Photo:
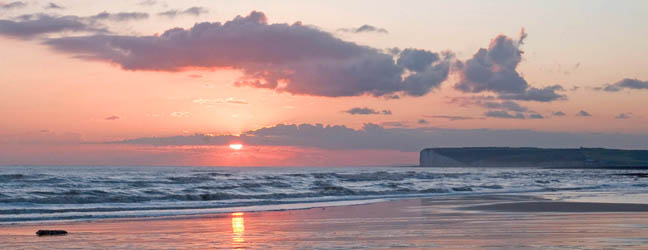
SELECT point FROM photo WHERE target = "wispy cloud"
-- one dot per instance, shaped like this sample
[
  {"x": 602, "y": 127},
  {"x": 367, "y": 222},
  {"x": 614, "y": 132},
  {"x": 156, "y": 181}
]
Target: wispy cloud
[
  {"x": 54, "y": 6},
  {"x": 13, "y": 5},
  {"x": 367, "y": 111},
  {"x": 230, "y": 100},
  {"x": 624, "y": 116},
  {"x": 193, "y": 11},
  {"x": 364, "y": 29},
  {"x": 450, "y": 117},
  {"x": 179, "y": 114},
  {"x": 626, "y": 83}
]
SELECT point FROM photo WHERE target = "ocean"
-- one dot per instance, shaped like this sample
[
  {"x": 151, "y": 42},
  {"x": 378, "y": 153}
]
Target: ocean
[{"x": 63, "y": 193}]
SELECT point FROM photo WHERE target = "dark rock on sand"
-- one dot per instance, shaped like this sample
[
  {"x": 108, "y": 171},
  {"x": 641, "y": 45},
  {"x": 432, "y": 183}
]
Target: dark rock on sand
[{"x": 50, "y": 232}]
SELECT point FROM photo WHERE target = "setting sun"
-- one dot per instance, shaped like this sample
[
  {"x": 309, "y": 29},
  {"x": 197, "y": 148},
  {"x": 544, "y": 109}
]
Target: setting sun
[{"x": 236, "y": 146}]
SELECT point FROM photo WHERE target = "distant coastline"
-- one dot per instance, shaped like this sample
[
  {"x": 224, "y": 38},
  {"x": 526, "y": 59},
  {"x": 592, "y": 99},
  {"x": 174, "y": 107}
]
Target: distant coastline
[{"x": 534, "y": 157}]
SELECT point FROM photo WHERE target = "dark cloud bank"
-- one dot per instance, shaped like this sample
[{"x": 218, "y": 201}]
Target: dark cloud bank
[
  {"x": 295, "y": 58},
  {"x": 373, "y": 136}
]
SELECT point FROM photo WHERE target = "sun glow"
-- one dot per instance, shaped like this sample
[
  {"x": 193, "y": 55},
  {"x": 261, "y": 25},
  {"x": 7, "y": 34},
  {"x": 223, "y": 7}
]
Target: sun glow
[{"x": 236, "y": 146}]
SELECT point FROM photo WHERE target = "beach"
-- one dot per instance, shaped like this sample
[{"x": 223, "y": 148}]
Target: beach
[{"x": 461, "y": 222}]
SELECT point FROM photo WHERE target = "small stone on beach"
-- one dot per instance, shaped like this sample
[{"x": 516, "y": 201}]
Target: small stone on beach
[{"x": 51, "y": 232}]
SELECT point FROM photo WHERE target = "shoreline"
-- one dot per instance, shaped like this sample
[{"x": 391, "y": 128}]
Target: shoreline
[{"x": 470, "y": 221}]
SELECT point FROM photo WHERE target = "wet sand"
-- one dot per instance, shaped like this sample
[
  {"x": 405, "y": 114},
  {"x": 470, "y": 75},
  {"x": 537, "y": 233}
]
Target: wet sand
[{"x": 492, "y": 222}]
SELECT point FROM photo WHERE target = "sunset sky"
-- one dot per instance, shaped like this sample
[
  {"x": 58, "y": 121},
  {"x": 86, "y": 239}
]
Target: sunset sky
[{"x": 305, "y": 83}]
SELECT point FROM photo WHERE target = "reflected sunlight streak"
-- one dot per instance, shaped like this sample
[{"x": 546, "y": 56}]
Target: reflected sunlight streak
[{"x": 238, "y": 227}]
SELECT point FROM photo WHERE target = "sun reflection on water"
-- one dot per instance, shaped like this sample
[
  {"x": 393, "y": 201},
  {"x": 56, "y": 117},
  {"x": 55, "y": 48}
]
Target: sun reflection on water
[{"x": 238, "y": 227}]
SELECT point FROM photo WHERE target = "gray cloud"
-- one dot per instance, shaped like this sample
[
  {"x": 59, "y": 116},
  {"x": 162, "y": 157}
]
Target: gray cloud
[
  {"x": 535, "y": 116},
  {"x": 397, "y": 124},
  {"x": 558, "y": 113},
  {"x": 28, "y": 26},
  {"x": 505, "y": 105},
  {"x": 112, "y": 118},
  {"x": 295, "y": 58},
  {"x": 52, "y": 5},
  {"x": 625, "y": 83},
  {"x": 489, "y": 102},
  {"x": 495, "y": 70},
  {"x": 583, "y": 113},
  {"x": 373, "y": 136},
  {"x": 546, "y": 94},
  {"x": 364, "y": 28},
  {"x": 119, "y": 17},
  {"x": 422, "y": 121},
  {"x": 367, "y": 111},
  {"x": 504, "y": 114},
  {"x": 193, "y": 11},
  {"x": 13, "y": 5}
]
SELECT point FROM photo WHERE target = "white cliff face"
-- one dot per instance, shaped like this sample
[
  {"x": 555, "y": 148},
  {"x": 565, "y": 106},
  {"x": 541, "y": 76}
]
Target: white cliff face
[
  {"x": 429, "y": 158},
  {"x": 492, "y": 157}
]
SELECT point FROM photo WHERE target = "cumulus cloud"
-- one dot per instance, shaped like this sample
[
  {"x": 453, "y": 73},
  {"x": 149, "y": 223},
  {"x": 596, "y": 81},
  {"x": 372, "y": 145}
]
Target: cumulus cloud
[
  {"x": 366, "y": 111},
  {"x": 193, "y": 11},
  {"x": 52, "y": 5},
  {"x": 112, "y": 118},
  {"x": 364, "y": 29},
  {"x": 583, "y": 113},
  {"x": 119, "y": 17},
  {"x": 28, "y": 26},
  {"x": 494, "y": 69},
  {"x": 372, "y": 136},
  {"x": 625, "y": 83},
  {"x": 13, "y": 5},
  {"x": 295, "y": 58}
]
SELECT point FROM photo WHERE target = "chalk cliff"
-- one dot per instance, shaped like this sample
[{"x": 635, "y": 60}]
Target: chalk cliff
[{"x": 533, "y": 157}]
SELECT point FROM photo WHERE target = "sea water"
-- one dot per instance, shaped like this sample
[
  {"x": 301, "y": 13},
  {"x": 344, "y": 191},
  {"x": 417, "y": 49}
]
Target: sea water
[{"x": 61, "y": 193}]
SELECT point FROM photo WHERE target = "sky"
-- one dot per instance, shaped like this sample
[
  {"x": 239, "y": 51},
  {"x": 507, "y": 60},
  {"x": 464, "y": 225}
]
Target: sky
[{"x": 315, "y": 83}]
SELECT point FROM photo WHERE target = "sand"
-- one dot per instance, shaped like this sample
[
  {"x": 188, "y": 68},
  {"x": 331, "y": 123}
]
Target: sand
[{"x": 491, "y": 222}]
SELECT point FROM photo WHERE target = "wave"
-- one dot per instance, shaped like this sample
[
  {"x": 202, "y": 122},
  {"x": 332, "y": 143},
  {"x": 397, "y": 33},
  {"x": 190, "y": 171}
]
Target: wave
[{"x": 52, "y": 193}]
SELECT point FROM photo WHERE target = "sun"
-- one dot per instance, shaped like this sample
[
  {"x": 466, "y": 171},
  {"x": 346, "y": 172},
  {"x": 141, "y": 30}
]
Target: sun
[{"x": 236, "y": 146}]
